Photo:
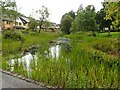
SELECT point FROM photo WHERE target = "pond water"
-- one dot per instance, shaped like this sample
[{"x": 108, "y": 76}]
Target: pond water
[
  {"x": 54, "y": 52},
  {"x": 25, "y": 59}
]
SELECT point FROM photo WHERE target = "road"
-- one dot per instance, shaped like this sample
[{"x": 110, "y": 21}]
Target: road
[{"x": 7, "y": 81}]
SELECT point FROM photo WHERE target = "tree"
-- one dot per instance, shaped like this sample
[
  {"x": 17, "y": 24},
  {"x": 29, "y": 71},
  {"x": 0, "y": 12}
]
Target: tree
[
  {"x": 43, "y": 16},
  {"x": 14, "y": 12},
  {"x": 112, "y": 10},
  {"x": 80, "y": 9},
  {"x": 76, "y": 23},
  {"x": 85, "y": 20},
  {"x": 72, "y": 14},
  {"x": 100, "y": 15},
  {"x": 66, "y": 22},
  {"x": 9, "y": 10},
  {"x": 33, "y": 23},
  {"x": 46, "y": 24}
]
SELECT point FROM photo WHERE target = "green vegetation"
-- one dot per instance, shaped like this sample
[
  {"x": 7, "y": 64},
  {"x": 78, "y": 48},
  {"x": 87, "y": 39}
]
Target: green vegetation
[
  {"x": 113, "y": 13},
  {"x": 66, "y": 22},
  {"x": 43, "y": 16},
  {"x": 13, "y": 42},
  {"x": 92, "y": 62},
  {"x": 85, "y": 20},
  {"x": 15, "y": 35},
  {"x": 84, "y": 66},
  {"x": 33, "y": 25},
  {"x": 9, "y": 10}
]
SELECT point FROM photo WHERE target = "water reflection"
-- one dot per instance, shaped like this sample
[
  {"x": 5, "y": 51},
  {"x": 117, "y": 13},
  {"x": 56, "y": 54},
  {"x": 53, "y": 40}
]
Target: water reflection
[
  {"x": 25, "y": 59},
  {"x": 55, "y": 51}
]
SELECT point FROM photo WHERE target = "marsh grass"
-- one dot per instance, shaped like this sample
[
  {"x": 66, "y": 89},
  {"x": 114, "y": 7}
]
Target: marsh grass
[
  {"x": 82, "y": 67},
  {"x": 10, "y": 47}
]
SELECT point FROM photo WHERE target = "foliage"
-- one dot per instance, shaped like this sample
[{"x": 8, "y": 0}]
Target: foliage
[
  {"x": 112, "y": 10},
  {"x": 107, "y": 46},
  {"x": 87, "y": 65},
  {"x": 11, "y": 42},
  {"x": 85, "y": 20},
  {"x": 46, "y": 24},
  {"x": 33, "y": 23},
  {"x": 100, "y": 15},
  {"x": 9, "y": 9},
  {"x": 80, "y": 9},
  {"x": 43, "y": 15},
  {"x": 66, "y": 22},
  {"x": 104, "y": 46},
  {"x": 83, "y": 67},
  {"x": 13, "y": 35},
  {"x": 72, "y": 14}
]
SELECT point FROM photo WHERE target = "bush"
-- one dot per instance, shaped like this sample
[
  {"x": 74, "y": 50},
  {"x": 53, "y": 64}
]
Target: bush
[
  {"x": 25, "y": 31},
  {"x": 14, "y": 35},
  {"x": 104, "y": 46}
]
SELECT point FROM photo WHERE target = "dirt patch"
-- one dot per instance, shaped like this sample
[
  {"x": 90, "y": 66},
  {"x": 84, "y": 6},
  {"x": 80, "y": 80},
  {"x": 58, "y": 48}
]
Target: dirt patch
[{"x": 114, "y": 53}]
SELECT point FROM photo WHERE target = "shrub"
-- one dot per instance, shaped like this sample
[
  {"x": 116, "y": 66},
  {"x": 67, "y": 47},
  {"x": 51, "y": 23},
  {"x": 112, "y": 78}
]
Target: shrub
[
  {"x": 104, "y": 46},
  {"x": 14, "y": 35}
]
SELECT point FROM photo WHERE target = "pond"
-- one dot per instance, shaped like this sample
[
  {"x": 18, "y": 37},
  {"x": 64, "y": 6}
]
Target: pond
[
  {"x": 54, "y": 52},
  {"x": 66, "y": 67}
]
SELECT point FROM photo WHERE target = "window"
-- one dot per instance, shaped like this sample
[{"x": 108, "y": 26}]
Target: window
[
  {"x": 7, "y": 22},
  {"x": 16, "y": 23},
  {"x": 20, "y": 23},
  {"x": 24, "y": 24}
]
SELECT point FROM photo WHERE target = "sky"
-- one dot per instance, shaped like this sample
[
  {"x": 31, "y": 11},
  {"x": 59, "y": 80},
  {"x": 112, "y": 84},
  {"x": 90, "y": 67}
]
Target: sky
[{"x": 56, "y": 8}]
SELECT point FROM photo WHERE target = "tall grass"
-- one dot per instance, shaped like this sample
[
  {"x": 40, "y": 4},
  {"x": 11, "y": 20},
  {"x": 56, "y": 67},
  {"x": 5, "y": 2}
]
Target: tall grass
[
  {"x": 81, "y": 70},
  {"x": 82, "y": 67},
  {"x": 10, "y": 46}
]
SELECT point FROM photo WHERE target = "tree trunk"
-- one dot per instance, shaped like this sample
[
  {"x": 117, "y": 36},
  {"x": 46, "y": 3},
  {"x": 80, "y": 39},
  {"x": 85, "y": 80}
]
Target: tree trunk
[
  {"x": 15, "y": 25},
  {"x": 40, "y": 26},
  {"x": 98, "y": 32},
  {"x": 109, "y": 31},
  {"x": 93, "y": 32}
]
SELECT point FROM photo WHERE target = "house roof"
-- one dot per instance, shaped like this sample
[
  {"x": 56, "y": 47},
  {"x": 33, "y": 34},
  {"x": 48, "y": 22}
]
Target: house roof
[{"x": 24, "y": 20}]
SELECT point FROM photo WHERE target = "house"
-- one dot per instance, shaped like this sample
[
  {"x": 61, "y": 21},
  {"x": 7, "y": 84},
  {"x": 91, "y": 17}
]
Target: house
[
  {"x": 20, "y": 23},
  {"x": 7, "y": 24},
  {"x": 49, "y": 26},
  {"x": 54, "y": 26}
]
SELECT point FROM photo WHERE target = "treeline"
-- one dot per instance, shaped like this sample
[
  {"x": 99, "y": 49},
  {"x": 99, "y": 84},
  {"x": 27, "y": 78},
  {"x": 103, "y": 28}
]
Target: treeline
[{"x": 86, "y": 19}]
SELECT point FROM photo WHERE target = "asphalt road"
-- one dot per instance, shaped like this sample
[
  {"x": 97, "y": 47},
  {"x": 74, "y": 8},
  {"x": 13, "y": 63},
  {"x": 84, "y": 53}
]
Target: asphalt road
[{"x": 7, "y": 81}]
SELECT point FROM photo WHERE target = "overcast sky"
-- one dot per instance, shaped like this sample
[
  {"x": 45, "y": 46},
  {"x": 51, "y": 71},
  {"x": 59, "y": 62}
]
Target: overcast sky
[{"x": 56, "y": 7}]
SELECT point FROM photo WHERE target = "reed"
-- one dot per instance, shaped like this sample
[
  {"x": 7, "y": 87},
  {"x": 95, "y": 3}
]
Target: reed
[{"x": 82, "y": 67}]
